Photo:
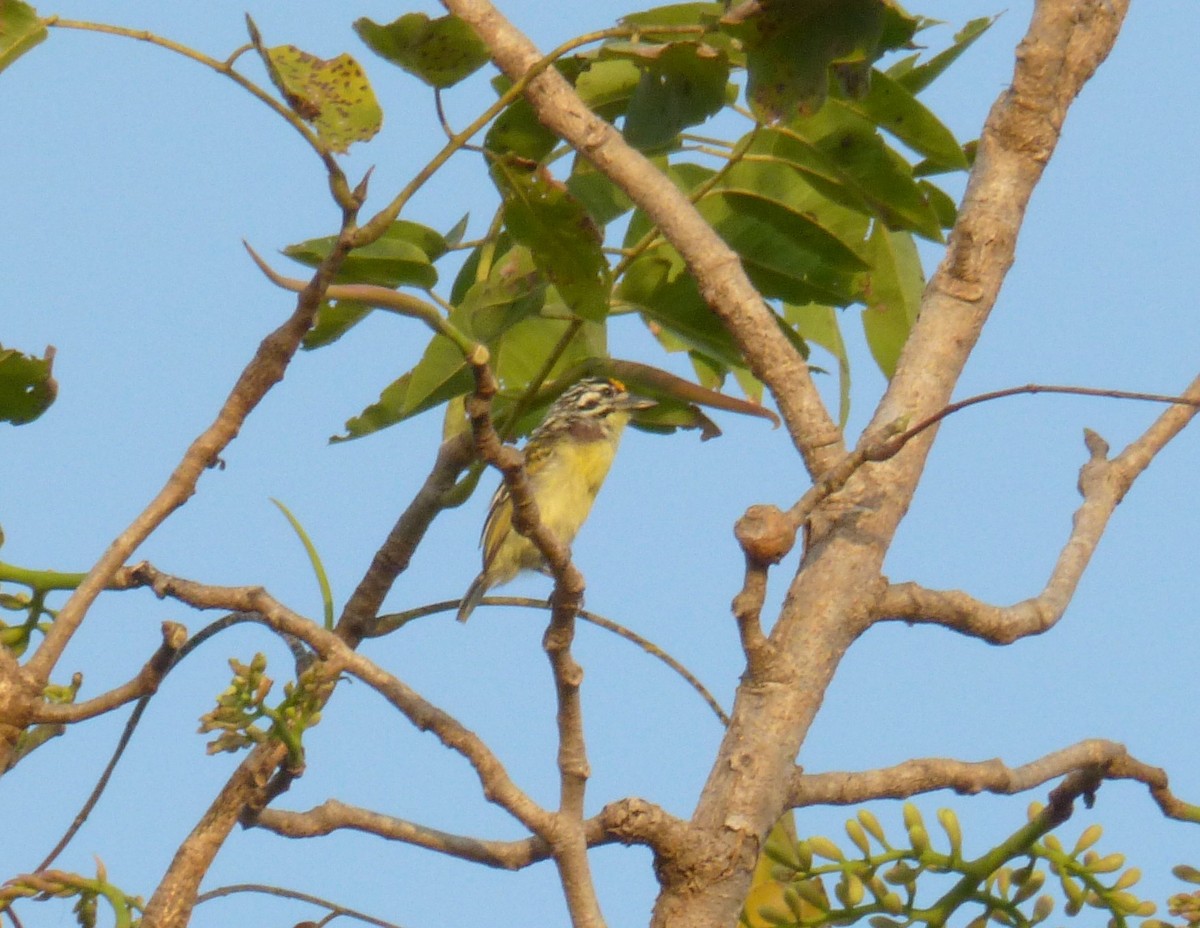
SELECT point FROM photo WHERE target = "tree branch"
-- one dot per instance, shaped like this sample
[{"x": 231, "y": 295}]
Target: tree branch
[
  {"x": 339, "y": 658},
  {"x": 265, "y": 370},
  {"x": 567, "y": 838},
  {"x": 174, "y": 635},
  {"x": 1103, "y": 484},
  {"x": 718, "y": 272},
  {"x": 1107, "y": 759},
  {"x": 627, "y": 821}
]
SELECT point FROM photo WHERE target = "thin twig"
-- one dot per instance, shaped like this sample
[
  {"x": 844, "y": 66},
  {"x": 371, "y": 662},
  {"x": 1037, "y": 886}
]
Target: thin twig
[
  {"x": 1103, "y": 484},
  {"x": 127, "y": 733},
  {"x": 391, "y": 621},
  {"x": 281, "y": 891}
]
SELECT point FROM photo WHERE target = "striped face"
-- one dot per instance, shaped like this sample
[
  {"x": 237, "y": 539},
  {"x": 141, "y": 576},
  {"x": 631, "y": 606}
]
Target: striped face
[{"x": 588, "y": 411}]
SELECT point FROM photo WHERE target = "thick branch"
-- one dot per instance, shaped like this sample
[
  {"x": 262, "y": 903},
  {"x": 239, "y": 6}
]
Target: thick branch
[
  {"x": 1103, "y": 484},
  {"x": 1109, "y": 761},
  {"x": 722, "y": 281},
  {"x": 831, "y": 601}
]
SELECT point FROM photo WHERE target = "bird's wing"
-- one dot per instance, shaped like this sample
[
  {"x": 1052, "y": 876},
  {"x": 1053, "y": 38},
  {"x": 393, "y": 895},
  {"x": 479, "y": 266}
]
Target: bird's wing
[{"x": 497, "y": 524}]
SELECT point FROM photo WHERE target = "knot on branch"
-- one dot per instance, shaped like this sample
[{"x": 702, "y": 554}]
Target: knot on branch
[
  {"x": 765, "y": 534},
  {"x": 1094, "y": 472}
]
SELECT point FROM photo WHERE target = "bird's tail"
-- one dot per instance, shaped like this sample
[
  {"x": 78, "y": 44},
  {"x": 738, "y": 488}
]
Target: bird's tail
[{"x": 474, "y": 594}]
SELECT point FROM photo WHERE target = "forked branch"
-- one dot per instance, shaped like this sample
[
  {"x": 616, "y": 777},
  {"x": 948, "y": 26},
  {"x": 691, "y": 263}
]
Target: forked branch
[{"x": 1103, "y": 482}]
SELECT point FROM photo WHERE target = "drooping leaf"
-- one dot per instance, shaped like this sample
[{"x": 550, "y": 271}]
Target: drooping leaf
[
  {"x": 666, "y": 417},
  {"x": 402, "y": 256},
  {"x": 915, "y": 79},
  {"x": 27, "y": 387},
  {"x": 893, "y": 295},
  {"x": 819, "y": 325},
  {"x": 387, "y": 410},
  {"x": 20, "y": 30},
  {"x": 441, "y": 51},
  {"x": 541, "y": 214},
  {"x": 333, "y": 321},
  {"x": 333, "y": 95},
  {"x": 667, "y": 295},
  {"x": 891, "y": 106},
  {"x": 682, "y": 84}
]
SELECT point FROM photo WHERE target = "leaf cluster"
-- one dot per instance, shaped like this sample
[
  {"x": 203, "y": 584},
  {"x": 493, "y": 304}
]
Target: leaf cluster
[
  {"x": 890, "y": 882},
  {"x": 243, "y": 706},
  {"x": 813, "y": 190}
]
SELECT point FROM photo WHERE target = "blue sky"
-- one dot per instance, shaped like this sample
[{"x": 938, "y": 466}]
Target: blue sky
[{"x": 132, "y": 177}]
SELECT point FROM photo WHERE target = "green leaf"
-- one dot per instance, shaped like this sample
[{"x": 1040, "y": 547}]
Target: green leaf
[
  {"x": 819, "y": 325},
  {"x": 893, "y": 295},
  {"x": 667, "y": 295},
  {"x": 314, "y": 559},
  {"x": 668, "y": 416},
  {"x": 389, "y": 409},
  {"x": 891, "y": 106},
  {"x": 402, "y": 256},
  {"x": 20, "y": 30},
  {"x": 523, "y": 350},
  {"x": 674, "y": 14},
  {"x": 682, "y": 84},
  {"x": 490, "y": 308},
  {"x": 441, "y": 51},
  {"x": 517, "y": 131},
  {"x": 333, "y": 95},
  {"x": 603, "y": 199},
  {"x": 333, "y": 321},
  {"x": 608, "y": 85},
  {"x": 26, "y": 386},
  {"x": 541, "y": 214},
  {"x": 791, "y": 46},
  {"x": 943, "y": 205},
  {"x": 786, "y": 253},
  {"x": 792, "y": 151},
  {"x": 916, "y": 79},
  {"x": 883, "y": 178}
]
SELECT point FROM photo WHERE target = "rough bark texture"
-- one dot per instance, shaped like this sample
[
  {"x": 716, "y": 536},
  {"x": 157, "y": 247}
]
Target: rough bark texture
[{"x": 828, "y": 602}]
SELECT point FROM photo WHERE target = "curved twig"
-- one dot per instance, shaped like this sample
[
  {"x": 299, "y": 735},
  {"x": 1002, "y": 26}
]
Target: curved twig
[
  {"x": 391, "y": 621},
  {"x": 333, "y": 907}
]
